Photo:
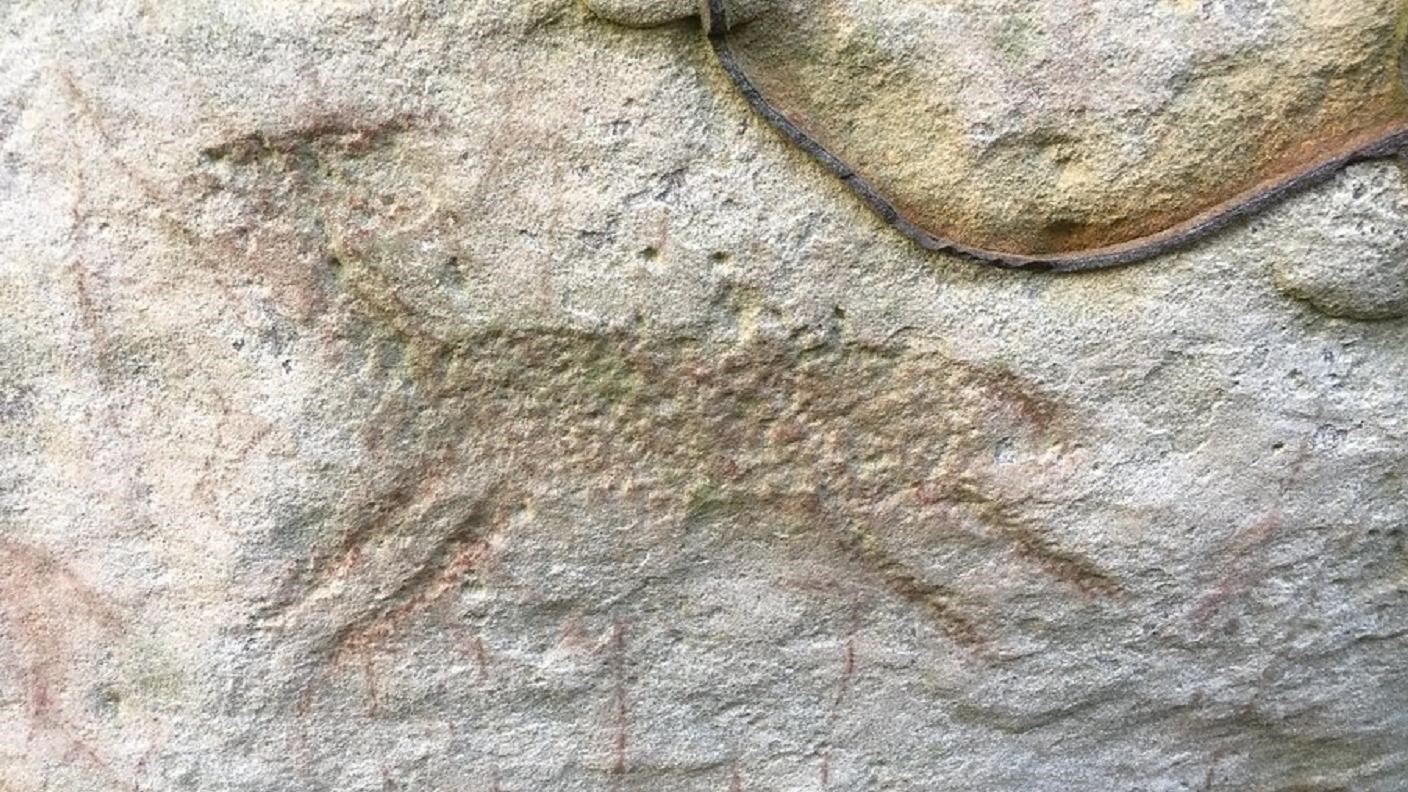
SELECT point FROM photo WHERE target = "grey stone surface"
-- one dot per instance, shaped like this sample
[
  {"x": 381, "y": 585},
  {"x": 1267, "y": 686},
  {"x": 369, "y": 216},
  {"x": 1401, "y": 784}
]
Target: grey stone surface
[
  {"x": 1360, "y": 269},
  {"x": 475, "y": 395}
]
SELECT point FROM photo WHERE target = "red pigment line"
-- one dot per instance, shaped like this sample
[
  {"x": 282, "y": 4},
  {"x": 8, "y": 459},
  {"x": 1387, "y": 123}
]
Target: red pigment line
[
  {"x": 1235, "y": 576},
  {"x": 848, "y": 670},
  {"x": 619, "y": 709}
]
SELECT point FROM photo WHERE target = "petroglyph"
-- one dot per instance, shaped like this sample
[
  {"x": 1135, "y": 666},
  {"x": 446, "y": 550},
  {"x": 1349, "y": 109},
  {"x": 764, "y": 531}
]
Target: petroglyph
[{"x": 875, "y": 450}]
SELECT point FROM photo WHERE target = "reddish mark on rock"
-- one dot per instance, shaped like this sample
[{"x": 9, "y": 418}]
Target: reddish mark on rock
[
  {"x": 572, "y": 635},
  {"x": 50, "y": 618},
  {"x": 46, "y": 717},
  {"x": 220, "y": 455},
  {"x": 1238, "y": 572},
  {"x": 305, "y": 699},
  {"x": 620, "y": 711},
  {"x": 141, "y": 769},
  {"x": 41, "y": 704},
  {"x": 928, "y": 494},
  {"x": 372, "y": 682},
  {"x": 735, "y": 781},
  {"x": 1029, "y": 544},
  {"x": 88, "y": 111},
  {"x": 36, "y": 574},
  {"x": 826, "y": 768},
  {"x": 1237, "y": 575},
  {"x": 474, "y": 647},
  {"x": 459, "y": 551}
]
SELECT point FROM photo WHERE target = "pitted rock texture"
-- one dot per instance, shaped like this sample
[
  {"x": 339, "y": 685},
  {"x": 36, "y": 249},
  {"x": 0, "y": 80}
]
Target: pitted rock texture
[
  {"x": 477, "y": 396},
  {"x": 1368, "y": 278},
  {"x": 643, "y": 13}
]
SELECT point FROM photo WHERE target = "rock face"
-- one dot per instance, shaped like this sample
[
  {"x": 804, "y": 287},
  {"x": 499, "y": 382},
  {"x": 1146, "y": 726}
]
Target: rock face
[
  {"x": 1366, "y": 275},
  {"x": 642, "y": 13},
  {"x": 477, "y": 395},
  {"x": 1053, "y": 127}
]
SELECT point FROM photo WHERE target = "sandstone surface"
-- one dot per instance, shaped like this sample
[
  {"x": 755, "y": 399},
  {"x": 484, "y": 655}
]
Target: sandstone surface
[{"x": 476, "y": 395}]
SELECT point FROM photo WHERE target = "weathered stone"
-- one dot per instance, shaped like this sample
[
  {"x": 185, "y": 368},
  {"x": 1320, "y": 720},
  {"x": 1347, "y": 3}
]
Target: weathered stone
[
  {"x": 478, "y": 396},
  {"x": 643, "y": 13},
  {"x": 1359, "y": 269},
  {"x": 1024, "y": 128}
]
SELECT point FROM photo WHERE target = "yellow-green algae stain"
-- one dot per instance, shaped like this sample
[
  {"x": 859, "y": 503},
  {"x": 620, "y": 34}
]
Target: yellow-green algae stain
[{"x": 1014, "y": 129}]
